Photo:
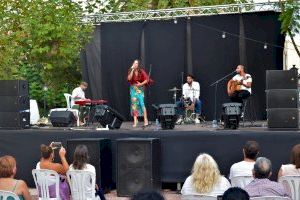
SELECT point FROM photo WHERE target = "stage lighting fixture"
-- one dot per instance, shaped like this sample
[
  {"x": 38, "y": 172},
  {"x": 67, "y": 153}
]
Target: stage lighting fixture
[
  {"x": 265, "y": 46},
  {"x": 223, "y": 35},
  {"x": 175, "y": 21}
]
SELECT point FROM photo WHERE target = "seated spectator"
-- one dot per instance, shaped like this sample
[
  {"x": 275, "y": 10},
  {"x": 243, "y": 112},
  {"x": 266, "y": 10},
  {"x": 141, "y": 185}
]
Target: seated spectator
[
  {"x": 205, "y": 178},
  {"x": 8, "y": 170},
  {"x": 147, "y": 195},
  {"x": 261, "y": 185},
  {"x": 245, "y": 167},
  {"x": 235, "y": 193},
  {"x": 292, "y": 169},
  {"x": 80, "y": 162},
  {"x": 46, "y": 162}
]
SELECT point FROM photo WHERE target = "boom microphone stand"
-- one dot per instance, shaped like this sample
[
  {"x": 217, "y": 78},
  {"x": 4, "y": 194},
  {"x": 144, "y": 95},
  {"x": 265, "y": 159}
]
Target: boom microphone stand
[{"x": 215, "y": 124}]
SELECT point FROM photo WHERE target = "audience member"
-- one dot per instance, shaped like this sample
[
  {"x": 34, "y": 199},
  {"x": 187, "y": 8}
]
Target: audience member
[
  {"x": 8, "y": 170},
  {"x": 46, "y": 162},
  {"x": 205, "y": 178},
  {"x": 235, "y": 193},
  {"x": 294, "y": 167},
  {"x": 261, "y": 185},
  {"x": 147, "y": 195},
  {"x": 80, "y": 162},
  {"x": 245, "y": 167}
]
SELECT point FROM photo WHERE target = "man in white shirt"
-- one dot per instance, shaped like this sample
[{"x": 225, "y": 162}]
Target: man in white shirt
[
  {"x": 245, "y": 167},
  {"x": 190, "y": 91},
  {"x": 78, "y": 94},
  {"x": 245, "y": 81}
]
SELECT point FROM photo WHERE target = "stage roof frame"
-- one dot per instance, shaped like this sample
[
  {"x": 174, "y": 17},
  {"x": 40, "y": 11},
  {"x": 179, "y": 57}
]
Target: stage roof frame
[{"x": 174, "y": 13}]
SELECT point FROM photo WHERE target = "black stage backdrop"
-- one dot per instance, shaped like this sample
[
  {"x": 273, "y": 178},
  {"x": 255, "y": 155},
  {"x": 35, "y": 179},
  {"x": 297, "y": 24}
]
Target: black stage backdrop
[{"x": 189, "y": 46}]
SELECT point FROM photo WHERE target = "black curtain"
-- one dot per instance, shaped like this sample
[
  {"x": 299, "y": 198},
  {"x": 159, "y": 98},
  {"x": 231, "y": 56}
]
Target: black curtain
[{"x": 191, "y": 45}]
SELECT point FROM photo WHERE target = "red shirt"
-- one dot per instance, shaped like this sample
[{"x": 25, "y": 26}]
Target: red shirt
[{"x": 141, "y": 77}]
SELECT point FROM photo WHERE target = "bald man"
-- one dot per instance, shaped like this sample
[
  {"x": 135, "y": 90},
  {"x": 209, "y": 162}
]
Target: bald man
[{"x": 245, "y": 80}]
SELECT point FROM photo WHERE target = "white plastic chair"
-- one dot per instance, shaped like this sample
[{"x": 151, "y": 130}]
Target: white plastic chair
[
  {"x": 34, "y": 112},
  {"x": 82, "y": 185},
  {"x": 4, "y": 195},
  {"x": 68, "y": 100},
  {"x": 43, "y": 178},
  {"x": 241, "y": 181},
  {"x": 198, "y": 197},
  {"x": 292, "y": 183},
  {"x": 270, "y": 198}
]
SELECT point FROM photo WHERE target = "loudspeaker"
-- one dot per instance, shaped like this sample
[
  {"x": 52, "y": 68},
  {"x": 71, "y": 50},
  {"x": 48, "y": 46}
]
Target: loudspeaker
[
  {"x": 138, "y": 165},
  {"x": 14, "y": 87},
  {"x": 62, "y": 118},
  {"x": 14, "y": 120},
  {"x": 100, "y": 157},
  {"x": 283, "y": 118},
  {"x": 279, "y": 79},
  {"x": 231, "y": 115},
  {"x": 105, "y": 115},
  {"x": 14, "y": 103},
  {"x": 166, "y": 114},
  {"x": 282, "y": 98}
]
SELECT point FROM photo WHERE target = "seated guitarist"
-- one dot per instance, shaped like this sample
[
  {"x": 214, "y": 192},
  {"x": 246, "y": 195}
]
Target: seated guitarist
[{"x": 245, "y": 81}]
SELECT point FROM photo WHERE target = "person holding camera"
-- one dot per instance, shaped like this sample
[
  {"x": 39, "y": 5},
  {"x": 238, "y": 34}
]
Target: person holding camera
[{"x": 47, "y": 162}]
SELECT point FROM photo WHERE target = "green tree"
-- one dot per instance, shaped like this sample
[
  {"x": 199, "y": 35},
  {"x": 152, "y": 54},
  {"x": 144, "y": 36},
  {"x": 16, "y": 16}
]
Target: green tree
[
  {"x": 290, "y": 20},
  {"x": 41, "y": 40}
]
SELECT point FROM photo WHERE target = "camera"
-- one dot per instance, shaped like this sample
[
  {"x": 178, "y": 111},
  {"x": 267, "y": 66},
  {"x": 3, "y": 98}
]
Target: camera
[{"x": 56, "y": 145}]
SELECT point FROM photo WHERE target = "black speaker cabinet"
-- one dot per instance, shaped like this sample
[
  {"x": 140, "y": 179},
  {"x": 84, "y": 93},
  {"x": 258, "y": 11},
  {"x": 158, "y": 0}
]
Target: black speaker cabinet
[
  {"x": 138, "y": 165},
  {"x": 14, "y": 103},
  {"x": 283, "y": 118},
  {"x": 282, "y": 98},
  {"x": 13, "y": 87},
  {"x": 62, "y": 118},
  {"x": 167, "y": 115},
  {"x": 14, "y": 120},
  {"x": 105, "y": 115},
  {"x": 100, "y": 157},
  {"x": 279, "y": 79}
]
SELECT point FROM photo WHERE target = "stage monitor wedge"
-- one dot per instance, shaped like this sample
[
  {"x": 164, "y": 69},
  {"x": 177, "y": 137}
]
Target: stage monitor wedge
[
  {"x": 281, "y": 79},
  {"x": 100, "y": 157},
  {"x": 62, "y": 118},
  {"x": 14, "y": 87},
  {"x": 138, "y": 165},
  {"x": 107, "y": 116}
]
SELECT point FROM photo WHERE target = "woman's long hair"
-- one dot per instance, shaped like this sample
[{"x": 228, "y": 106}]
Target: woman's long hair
[
  {"x": 205, "y": 173},
  {"x": 81, "y": 157},
  {"x": 139, "y": 66}
]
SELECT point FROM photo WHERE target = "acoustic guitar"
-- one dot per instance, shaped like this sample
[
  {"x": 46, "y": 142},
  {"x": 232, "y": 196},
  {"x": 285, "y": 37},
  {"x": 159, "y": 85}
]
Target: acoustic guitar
[{"x": 233, "y": 85}]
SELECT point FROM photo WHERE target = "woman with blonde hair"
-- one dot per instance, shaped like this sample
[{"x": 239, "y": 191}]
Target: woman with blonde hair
[{"x": 205, "y": 178}]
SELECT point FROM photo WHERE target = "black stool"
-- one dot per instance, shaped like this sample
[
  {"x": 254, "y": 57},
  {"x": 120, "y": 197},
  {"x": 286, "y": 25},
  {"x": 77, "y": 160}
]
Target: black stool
[{"x": 249, "y": 112}]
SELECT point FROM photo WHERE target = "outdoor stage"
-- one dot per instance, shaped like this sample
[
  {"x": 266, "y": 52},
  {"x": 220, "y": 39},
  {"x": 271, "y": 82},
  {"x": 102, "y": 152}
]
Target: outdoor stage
[{"x": 180, "y": 146}]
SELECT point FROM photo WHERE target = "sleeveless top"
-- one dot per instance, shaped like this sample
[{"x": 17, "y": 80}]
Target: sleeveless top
[{"x": 13, "y": 190}]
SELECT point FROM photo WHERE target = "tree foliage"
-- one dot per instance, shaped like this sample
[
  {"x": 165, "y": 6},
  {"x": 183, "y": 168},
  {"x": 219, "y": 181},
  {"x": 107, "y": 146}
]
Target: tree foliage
[
  {"x": 290, "y": 20},
  {"x": 41, "y": 40}
]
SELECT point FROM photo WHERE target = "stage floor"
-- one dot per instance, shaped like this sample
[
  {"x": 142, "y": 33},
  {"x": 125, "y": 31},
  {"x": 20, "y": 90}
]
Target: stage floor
[{"x": 179, "y": 147}]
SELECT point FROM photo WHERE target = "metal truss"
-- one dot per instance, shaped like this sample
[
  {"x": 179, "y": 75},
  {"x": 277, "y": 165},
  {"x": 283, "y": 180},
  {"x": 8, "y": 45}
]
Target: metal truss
[{"x": 164, "y": 14}]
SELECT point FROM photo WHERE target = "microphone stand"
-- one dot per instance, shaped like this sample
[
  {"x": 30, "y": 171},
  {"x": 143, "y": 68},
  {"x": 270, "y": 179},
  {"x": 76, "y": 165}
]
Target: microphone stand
[{"x": 215, "y": 123}]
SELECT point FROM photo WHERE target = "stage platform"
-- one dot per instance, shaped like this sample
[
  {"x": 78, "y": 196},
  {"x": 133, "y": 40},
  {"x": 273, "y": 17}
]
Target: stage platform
[{"x": 180, "y": 146}]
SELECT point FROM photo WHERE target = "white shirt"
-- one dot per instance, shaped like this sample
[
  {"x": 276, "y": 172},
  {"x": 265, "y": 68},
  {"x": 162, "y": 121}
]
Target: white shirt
[
  {"x": 290, "y": 170},
  {"x": 242, "y": 168},
  {"x": 88, "y": 168},
  {"x": 77, "y": 94},
  {"x": 248, "y": 78},
  {"x": 193, "y": 91},
  {"x": 218, "y": 189}
]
